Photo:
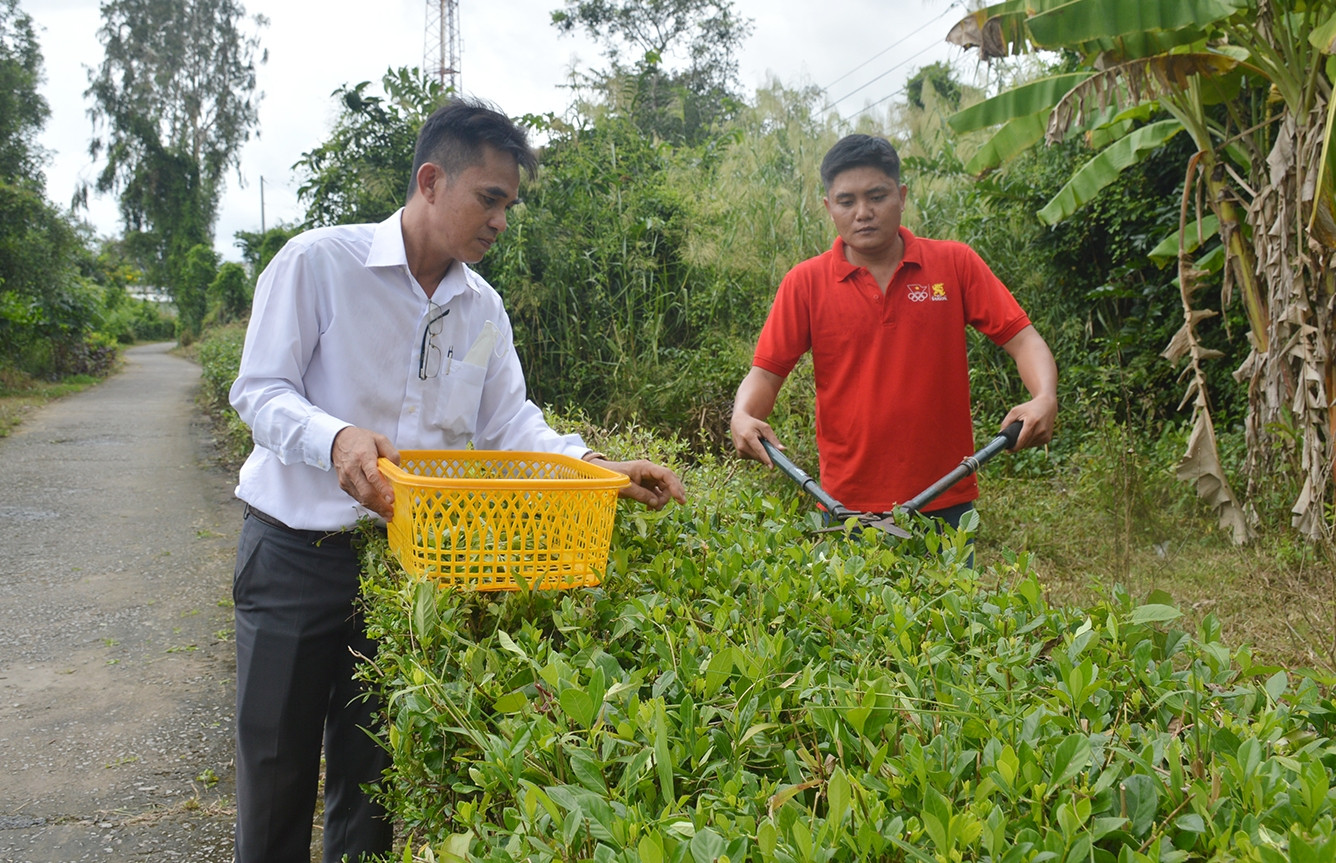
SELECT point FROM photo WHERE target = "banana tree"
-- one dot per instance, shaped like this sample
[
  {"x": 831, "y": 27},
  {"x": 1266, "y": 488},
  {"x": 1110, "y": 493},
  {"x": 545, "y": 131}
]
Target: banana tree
[{"x": 1251, "y": 82}]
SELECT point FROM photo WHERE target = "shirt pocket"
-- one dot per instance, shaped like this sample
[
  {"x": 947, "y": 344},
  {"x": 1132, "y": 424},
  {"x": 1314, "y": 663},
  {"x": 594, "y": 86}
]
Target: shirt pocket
[{"x": 458, "y": 398}]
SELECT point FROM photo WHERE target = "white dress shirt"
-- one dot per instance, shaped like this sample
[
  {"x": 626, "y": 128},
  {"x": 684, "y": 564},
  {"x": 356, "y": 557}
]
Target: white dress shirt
[{"x": 335, "y": 339}]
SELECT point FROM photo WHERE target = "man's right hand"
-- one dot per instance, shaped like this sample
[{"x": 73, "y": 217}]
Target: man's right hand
[
  {"x": 747, "y": 433},
  {"x": 354, "y": 455},
  {"x": 755, "y": 400}
]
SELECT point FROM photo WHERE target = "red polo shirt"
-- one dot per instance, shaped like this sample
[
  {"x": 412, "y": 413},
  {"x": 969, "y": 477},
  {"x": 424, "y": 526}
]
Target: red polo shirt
[{"x": 892, "y": 380}]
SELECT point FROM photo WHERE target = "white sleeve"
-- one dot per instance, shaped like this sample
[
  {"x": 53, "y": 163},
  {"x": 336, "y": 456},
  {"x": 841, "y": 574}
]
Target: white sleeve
[{"x": 269, "y": 393}]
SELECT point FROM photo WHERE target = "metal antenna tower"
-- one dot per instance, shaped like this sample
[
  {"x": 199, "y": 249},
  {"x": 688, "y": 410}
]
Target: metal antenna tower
[{"x": 440, "y": 47}]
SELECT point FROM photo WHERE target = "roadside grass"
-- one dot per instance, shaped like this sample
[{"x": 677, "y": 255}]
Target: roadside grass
[
  {"x": 21, "y": 394},
  {"x": 1276, "y": 595}
]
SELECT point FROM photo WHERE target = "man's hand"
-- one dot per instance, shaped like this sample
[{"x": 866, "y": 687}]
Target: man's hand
[
  {"x": 354, "y": 456},
  {"x": 754, "y": 402},
  {"x": 1038, "y": 415},
  {"x": 651, "y": 484},
  {"x": 1039, "y": 373},
  {"x": 747, "y": 433}
]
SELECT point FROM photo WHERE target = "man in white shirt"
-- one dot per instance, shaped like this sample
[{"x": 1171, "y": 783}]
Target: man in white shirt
[{"x": 363, "y": 339}]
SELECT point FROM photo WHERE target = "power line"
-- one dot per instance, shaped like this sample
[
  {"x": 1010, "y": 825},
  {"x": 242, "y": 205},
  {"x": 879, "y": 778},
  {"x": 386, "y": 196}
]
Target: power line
[
  {"x": 899, "y": 92},
  {"x": 879, "y": 77},
  {"x": 908, "y": 36}
]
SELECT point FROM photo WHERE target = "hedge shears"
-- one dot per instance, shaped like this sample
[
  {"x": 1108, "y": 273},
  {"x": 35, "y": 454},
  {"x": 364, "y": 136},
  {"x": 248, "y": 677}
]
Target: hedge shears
[{"x": 886, "y": 521}]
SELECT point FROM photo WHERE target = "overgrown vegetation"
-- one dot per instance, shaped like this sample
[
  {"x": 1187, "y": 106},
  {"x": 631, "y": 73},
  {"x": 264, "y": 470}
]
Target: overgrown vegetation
[
  {"x": 1108, "y": 686},
  {"x": 738, "y": 688},
  {"x": 64, "y": 304}
]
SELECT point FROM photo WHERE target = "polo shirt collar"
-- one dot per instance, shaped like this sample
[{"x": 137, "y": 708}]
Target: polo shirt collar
[
  {"x": 841, "y": 269},
  {"x": 387, "y": 250}
]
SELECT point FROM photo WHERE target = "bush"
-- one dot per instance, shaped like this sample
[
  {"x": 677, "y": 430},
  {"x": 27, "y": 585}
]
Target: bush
[
  {"x": 737, "y": 688},
  {"x": 229, "y": 295},
  {"x": 219, "y": 355}
]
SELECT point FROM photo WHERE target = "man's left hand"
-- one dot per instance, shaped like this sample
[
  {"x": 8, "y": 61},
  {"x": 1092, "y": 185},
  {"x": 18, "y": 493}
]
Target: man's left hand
[
  {"x": 651, "y": 484},
  {"x": 1038, "y": 415}
]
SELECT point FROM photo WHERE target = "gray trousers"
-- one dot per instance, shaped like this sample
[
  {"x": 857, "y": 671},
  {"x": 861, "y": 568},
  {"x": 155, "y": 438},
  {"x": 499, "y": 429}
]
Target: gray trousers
[{"x": 297, "y": 628}]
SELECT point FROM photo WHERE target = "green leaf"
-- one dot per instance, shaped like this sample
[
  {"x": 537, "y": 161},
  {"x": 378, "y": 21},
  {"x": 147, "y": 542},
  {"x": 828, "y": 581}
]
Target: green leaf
[
  {"x": 1013, "y": 138},
  {"x": 767, "y": 837},
  {"x": 706, "y": 846},
  {"x": 650, "y": 849},
  {"x": 1018, "y": 102},
  {"x": 1105, "y": 167},
  {"x": 718, "y": 669},
  {"x": 508, "y": 643},
  {"x": 1069, "y": 759},
  {"x": 511, "y": 702},
  {"x": 1141, "y": 800},
  {"x": 426, "y": 618},
  {"x": 1082, "y": 21},
  {"x": 457, "y": 847},
  {"x": 588, "y": 772},
  {"x": 663, "y": 761},
  {"x": 1323, "y": 37},
  {"x": 1198, "y": 231},
  {"x": 1277, "y": 684},
  {"x": 1154, "y": 613},
  {"x": 577, "y": 704},
  {"x": 838, "y": 793}
]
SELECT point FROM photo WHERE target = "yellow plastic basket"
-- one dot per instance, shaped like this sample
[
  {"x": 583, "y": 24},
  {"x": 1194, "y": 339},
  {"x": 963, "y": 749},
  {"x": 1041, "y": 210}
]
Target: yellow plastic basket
[{"x": 483, "y": 520}]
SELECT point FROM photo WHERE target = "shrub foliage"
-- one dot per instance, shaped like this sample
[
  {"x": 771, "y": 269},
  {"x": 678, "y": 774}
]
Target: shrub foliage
[{"x": 736, "y": 690}]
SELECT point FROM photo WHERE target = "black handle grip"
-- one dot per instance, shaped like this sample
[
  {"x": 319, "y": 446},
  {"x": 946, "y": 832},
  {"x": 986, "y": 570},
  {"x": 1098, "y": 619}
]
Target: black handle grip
[
  {"x": 804, "y": 481},
  {"x": 1005, "y": 439}
]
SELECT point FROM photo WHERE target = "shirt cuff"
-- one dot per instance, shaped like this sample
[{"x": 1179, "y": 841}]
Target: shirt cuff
[{"x": 319, "y": 437}]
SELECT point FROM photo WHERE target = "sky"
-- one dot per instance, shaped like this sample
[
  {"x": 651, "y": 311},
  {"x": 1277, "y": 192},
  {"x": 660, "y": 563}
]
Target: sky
[{"x": 859, "y": 51}]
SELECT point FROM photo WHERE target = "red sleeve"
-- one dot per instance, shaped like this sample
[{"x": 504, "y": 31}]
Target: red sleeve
[
  {"x": 989, "y": 307},
  {"x": 787, "y": 333}
]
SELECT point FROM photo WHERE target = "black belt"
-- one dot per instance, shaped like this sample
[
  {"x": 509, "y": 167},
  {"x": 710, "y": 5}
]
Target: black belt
[{"x": 314, "y": 537}]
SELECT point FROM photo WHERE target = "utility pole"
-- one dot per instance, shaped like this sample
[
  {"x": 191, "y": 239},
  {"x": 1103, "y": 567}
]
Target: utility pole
[
  {"x": 440, "y": 46},
  {"x": 262, "y": 204}
]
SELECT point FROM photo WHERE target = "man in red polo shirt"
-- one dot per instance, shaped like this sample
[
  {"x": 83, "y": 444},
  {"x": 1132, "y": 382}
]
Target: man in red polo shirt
[{"x": 884, "y": 314}]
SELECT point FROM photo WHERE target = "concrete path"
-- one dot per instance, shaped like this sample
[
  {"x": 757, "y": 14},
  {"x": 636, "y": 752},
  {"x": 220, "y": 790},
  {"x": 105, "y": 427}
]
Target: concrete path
[{"x": 117, "y": 666}]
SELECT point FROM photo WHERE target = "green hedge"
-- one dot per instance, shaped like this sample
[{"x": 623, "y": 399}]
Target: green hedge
[
  {"x": 738, "y": 690},
  {"x": 219, "y": 355}
]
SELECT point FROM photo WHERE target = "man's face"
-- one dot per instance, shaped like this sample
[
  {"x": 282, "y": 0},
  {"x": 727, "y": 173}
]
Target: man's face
[
  {"x": 866, "y": 205},
  {"x": 469, "y": 208}
]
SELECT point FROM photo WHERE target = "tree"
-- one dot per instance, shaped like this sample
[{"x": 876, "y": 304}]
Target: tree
[
  {"x": 1246, "y": 79},
  {"x": 192, "y": 292},
  {"x": 173, "y": 102},
  {"x": 46, "y": 307},
  {"x": 683, "y": 101},
  {"x": 23, "y": 111},
  {"x": 258, "y": 249},
  {"x": 361, "y": 173},
  {"x": 228, "y": 295},
  {"x": 939, "y": 77}
]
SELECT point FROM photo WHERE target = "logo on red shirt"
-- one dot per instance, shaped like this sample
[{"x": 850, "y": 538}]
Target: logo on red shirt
[{"x": 936, "y": 292}]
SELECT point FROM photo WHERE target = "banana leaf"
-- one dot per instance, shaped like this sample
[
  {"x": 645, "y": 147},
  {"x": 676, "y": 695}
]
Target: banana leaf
[
  {"x": 1082, "y": 22},
  {"x": 1198, "y": 232},
  {"x": 1021, "y": 101},
  {"x": 1105, "y": 167}
]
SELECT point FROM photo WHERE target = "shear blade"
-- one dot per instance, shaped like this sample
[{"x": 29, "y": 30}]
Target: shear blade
[{"x": 885, "y": 524}]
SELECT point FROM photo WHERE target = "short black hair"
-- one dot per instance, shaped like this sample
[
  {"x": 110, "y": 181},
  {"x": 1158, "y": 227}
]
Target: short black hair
[
  {"x": 859, "y": 151},
  {"x": 455, "y": 134}
]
